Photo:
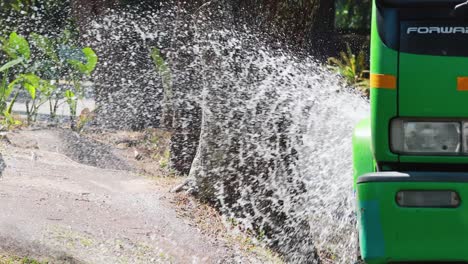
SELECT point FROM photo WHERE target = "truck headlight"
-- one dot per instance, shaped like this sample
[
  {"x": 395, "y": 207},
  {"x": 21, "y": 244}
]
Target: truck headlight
[{"x": 424, "y": 137}]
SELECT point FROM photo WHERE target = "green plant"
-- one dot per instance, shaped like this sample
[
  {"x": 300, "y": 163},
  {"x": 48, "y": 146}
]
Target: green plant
[
  {"x": 54, "y": 61},
  {"x": 81, "y": 68},
  {"x": 72, "y": 102},
  {"x": 353, "y": 68},
  {"x": 70, "y": 64},
  {"x": 18, "y": 50},
  {"x": 166, "y": 77},
  {"x": 18, "y": 54},
  {"x": 19, "y": 260}
]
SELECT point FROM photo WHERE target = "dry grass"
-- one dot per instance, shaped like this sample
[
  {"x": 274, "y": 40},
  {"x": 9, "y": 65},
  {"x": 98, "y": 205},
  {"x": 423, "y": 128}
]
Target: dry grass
[
  {"x": 4, "y": 259},
  {"x": 210, "y": 222}
]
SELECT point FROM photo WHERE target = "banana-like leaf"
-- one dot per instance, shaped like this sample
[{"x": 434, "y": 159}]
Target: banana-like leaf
[
  {"x": 92, "y": 60},
  {"x": 165, "y": 73}
]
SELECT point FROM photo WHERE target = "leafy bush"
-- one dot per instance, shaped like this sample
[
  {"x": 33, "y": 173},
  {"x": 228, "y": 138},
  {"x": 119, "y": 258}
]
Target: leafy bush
[
  {"x": 39, "y": 69},
  {"x": 353, "y": 68}
]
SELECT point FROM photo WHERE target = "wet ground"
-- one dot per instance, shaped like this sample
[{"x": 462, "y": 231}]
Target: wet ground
[{"x": 54, "y": 206}]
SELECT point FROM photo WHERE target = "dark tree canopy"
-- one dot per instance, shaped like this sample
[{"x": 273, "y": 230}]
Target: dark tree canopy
[
  {"x": 295, "y": 20},
  {"x": 42, "y": 16}
]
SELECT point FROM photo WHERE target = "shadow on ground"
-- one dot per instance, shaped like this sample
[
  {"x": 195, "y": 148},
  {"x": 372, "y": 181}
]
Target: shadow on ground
[{"x": 10, "y": 246}]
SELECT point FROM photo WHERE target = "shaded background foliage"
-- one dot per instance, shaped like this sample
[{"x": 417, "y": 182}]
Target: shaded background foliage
[
  {"x": 42, "y": 16},
  {"x": 304, "y": 24}
]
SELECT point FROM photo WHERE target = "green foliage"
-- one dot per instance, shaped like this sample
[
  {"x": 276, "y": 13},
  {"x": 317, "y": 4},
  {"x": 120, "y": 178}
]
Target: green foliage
[
  {"x": 16, "y": 47},
  {"x": 165, "y": 73},
  {"x": 163, "y": 70},
  {"x": 18, "y": 51},
  {"x": 90, "y": 64},
  {"x": 353, "y": 68},
  {"x": 18, "y": 5},
  {"x": 50, "y": 16},
  {"x": 352, "y": 14},
  {"x": 44, "y": 45},
  {"x": 54, "y": 61},
  {"x": 71, "y": 100},
  {"x": 19, "y": 260}
]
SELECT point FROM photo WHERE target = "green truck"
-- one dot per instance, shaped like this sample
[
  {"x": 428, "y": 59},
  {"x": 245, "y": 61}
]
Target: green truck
[{"x": 411, "y": 156}]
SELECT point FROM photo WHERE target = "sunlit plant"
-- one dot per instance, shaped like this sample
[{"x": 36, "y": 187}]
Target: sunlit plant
[
  {"x": 353, "y": 68},
  {"x": 70, "y": 64},
  {"x": 18, "y": 54},
  {"x": 57, "y": 62}
]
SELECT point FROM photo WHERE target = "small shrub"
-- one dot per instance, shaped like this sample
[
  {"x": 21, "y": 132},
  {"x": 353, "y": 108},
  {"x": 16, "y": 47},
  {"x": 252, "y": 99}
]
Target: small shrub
[{"x": 353, "y": 68}]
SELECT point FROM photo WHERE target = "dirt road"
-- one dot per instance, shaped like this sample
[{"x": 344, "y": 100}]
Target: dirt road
[{"x": 54, "y": 207}]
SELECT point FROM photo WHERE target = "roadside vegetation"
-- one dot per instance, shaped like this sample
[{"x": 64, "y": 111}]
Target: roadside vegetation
[
  {"x": 353, "y": 68},
  {"x": 18, "y": 260},
  {"x": 49, "y": 70}
]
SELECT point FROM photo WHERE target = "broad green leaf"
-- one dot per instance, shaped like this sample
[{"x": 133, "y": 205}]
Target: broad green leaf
[
  {"x": 11, "y": 64},
  {"x": 91, "y": 61},
  {"x": 8, "y": 49},
  {"x": 20, "y": 45},
  {"x": 16, "y": 6},
  {"x": 67, "y": 52},
  {"x": 29, "y": 81},
  {"x": 31, "y": 90}
]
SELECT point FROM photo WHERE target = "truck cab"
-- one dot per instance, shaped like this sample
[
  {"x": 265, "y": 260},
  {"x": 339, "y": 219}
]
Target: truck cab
[{"x": 411, "y": 156}]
